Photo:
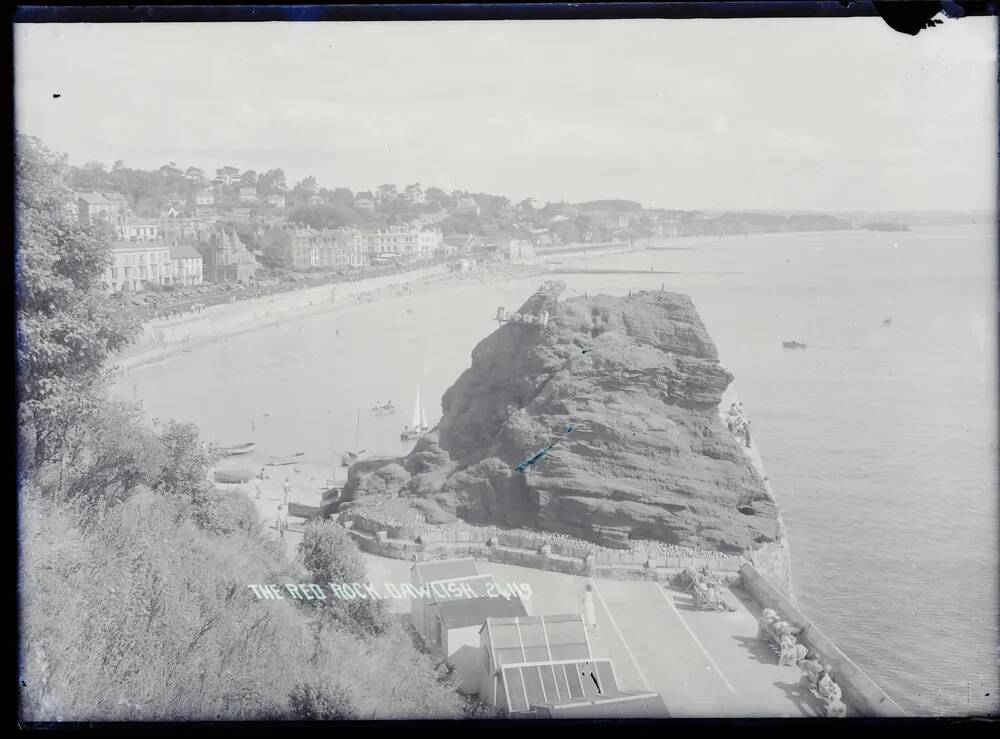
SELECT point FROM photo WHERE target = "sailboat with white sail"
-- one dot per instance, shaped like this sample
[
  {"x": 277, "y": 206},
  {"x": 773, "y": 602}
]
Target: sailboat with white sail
[
  {"x": 419, "y": 426},
  {"x": 349, "y": 458}
]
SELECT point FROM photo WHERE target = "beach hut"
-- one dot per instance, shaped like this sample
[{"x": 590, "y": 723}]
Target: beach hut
[
  {"x": 454, "y": 601},
  {"x": 543, "y": 666}
]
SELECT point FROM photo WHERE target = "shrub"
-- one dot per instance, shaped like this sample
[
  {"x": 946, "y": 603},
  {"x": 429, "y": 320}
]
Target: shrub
[
  {"x": 319, "y": 702},
  {"x": 330, "y": 556}
]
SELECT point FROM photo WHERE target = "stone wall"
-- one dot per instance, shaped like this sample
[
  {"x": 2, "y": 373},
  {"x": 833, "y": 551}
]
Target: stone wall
[
  {"x": 529, "y": 549},
  {"x": 860, "y": 692}
]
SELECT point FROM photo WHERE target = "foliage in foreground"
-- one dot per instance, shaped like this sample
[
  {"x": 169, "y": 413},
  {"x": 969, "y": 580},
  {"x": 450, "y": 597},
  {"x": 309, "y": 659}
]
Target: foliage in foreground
[{"x": 145, "y": 615}]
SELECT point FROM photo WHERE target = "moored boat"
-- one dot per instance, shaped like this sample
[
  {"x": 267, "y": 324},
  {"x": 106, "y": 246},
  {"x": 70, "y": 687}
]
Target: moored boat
[
  {"x": 246, "y": 448},
  {"x": 349, "y": 458},
  {"x": 419, "y": 426},
  {"x": 793, "y": 345},
  {"x": 383, "y": 409}
]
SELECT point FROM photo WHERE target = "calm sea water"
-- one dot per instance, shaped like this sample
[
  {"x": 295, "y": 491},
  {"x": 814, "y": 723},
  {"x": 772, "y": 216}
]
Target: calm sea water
[{"x": 880, "y": 441}]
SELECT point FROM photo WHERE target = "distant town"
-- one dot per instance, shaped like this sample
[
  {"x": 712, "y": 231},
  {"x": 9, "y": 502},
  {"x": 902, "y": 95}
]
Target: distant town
[{"x": 174, "y": 228}]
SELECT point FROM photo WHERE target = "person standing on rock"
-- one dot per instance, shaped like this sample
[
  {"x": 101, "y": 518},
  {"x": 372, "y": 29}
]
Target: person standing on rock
[{"x": 589, "y": 612}]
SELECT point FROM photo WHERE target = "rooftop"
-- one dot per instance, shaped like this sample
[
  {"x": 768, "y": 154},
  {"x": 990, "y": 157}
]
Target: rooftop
[
  {"x": 448, "y": 569},
  {"x": 183, "y": 251},
  {"x": 473, "y": 611},
  {"x": 537, "y": 638}
]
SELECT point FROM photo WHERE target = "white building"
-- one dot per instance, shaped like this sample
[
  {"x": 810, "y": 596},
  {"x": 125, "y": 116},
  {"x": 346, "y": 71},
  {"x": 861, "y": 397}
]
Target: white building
[
  {"x": 188, "y": 265},
  {"x": 140, "y": 229},
  {"x": 449, "y": 617}
]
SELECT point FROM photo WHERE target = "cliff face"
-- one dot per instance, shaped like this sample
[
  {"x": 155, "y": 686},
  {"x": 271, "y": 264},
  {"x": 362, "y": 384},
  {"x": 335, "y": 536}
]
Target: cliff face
[{"x": 639, "y": 380}]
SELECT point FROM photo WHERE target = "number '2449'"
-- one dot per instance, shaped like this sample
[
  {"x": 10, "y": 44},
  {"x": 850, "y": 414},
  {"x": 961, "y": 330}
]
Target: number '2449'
[{"x": 508, "y": 590}]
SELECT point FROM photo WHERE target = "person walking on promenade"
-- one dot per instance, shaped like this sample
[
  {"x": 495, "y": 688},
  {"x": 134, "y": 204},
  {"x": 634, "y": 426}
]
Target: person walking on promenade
[
  {"x": 589, "y": 613},
  {"x": 281, "y": 522},
  {"x": 287, "y": 486}
]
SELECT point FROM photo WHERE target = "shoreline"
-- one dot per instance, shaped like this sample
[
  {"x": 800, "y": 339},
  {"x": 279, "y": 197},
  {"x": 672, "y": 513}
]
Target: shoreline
[{"x": 363, "y": 292}]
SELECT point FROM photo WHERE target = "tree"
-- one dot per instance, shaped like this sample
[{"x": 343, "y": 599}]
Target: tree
[
  {"x": 413, "y": 192},
  {"x": 386, "y": 192},
  {"x": 226, "y": 172},
  {"x": 272, "y": 181},
  {"x": 342, "y": 196},
  {"x": 249, "y": 178},
  {"x": 196, "y": 176},
  {"x": 330, "y": 556},
  {"x": 308, "y": 186},
  {"x": 319, "y": 702},
  {"x": 66, "y": 328}
]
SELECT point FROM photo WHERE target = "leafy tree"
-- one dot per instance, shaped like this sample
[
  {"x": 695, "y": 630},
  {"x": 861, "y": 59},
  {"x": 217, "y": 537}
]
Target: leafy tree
[
  {"x": 342, "y": 196},
  {"x": 248, "y": 178},
  {"x": 272, "y": 181},
  {"x": 65, "y": 327},
  {"x": 330, "y": 556},
  {"x": 308, "y": 185},
  {"x": 196, "y": 176},
  {"x": 386, "y": 192},
  {"x": 413, "y": 192},
  {"x": 319, "y": 702}
]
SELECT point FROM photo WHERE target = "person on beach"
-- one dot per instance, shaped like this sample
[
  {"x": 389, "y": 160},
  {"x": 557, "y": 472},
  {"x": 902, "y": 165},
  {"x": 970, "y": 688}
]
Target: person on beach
[
  {"x": 257, "y": 484},
  {"x": 589, "y": 613},
  {"x": 287, "y": 486},
  {"x": 281, "y": 521}
]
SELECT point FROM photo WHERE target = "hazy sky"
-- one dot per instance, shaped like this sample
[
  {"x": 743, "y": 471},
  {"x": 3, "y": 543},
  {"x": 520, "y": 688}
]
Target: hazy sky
[{"x": 798, "y": 113}]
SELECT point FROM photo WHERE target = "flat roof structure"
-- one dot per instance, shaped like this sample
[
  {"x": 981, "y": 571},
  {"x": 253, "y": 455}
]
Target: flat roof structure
[
  {"x": 474, "y": 611},
  {"x": 447, "y": 569},
  {"x": 536, "y": 639}
]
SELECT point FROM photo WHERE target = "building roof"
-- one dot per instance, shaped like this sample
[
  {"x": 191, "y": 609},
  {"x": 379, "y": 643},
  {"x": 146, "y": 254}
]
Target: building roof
[
  {"x": 94, "y": 198},
  {"x": 136, "y": 221},
  {"x": 478, "y": 584},
  {"x": 126, "y": 246},
  {"x": 183, "y": 251},
  {"x": 556, "y": 683},
  {"x": 536, "y": 639},
  {"x": 472, "y": 611},
  {"x": 625, "y": 705},
  {"x": 447, "y": 569}
]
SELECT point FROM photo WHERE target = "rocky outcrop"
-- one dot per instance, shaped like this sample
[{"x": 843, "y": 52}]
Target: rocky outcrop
[{"x": 648, "y": 458}]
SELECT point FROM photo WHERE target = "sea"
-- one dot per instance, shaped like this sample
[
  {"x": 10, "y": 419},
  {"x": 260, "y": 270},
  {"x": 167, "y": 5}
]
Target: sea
[{"x": 880, "y": 437}]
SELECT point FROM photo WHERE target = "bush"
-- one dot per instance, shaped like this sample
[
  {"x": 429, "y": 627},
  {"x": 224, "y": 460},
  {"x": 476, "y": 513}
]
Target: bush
[
  {"x": 330, "y": 556},
  {"x": 312, "y": 702}
]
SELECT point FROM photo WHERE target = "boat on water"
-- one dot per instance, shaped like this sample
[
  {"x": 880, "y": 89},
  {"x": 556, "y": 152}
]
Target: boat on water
[
  {"x": 793, "y": 345},
  {"x": 349, "y": 458},
  {"x": 419, "y": 425},
  {"x": 887, "y": 321},
  {"x": 383, "y": 409},
  {"x": 230, "y": 451}
]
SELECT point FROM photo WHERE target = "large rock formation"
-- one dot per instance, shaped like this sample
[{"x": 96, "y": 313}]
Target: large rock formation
[{"x": 648, "y": 458}]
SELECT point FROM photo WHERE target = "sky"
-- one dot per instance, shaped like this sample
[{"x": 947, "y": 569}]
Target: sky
[{"x": 807, "y": 114}]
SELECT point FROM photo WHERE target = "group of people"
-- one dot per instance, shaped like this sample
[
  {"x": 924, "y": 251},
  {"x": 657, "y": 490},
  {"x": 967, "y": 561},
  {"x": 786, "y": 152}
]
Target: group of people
[
  {"x": 706, "y": 589},
  {"x": 815, "y": 675},
  {"x": 380, "y": 406},
  {"x": 738, "y": 423}
]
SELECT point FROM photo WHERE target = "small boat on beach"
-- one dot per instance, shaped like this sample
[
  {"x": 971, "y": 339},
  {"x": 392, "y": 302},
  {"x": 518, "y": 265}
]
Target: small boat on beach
[
  {"x": 419, "y": 426},
  {"x": 793, "y": 345},
  {"x": 230, "y": 451},
  {"x": 349, "y": 458},
  {"x": 281, "y": 461}
]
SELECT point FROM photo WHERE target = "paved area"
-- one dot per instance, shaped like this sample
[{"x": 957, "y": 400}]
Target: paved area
[{"x": 703, "y": 663}]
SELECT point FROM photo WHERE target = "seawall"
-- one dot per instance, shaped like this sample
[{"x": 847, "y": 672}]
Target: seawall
[
  {"x": 161, "y": 338},
  {"x": 859, "y": 690}
]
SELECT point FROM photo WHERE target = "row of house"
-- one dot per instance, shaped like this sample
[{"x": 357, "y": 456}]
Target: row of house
[
  {"x": 137, "y": 265},
  {"x": 525, "y": 665},
  {"x": 303, "y": 247}
]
